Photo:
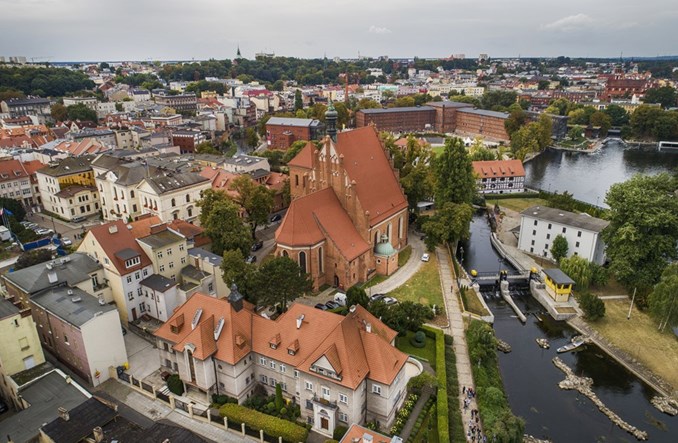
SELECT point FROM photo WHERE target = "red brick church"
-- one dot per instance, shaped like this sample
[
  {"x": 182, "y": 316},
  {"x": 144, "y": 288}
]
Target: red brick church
[{"x": 348, "y": 217}]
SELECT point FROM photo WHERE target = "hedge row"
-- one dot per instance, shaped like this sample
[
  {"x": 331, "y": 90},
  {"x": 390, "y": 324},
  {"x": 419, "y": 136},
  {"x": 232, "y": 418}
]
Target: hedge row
[
  {"x": 273, "y": 426},
  {"x": 441, "y": 374},
  {"x": 454, "y": 412}
]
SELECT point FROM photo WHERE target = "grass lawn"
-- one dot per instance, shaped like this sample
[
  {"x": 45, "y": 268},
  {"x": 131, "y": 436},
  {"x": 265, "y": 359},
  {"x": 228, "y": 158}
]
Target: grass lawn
[
  {"x": 639, "y": 337},
  {"x": 404, "y": 255},
  {"x": 472, "y": 303},
  {"x": 612, "y": 287},
  {"x": 428, "y": 352},
  {"x": 423, "y": 287},
  {"x": 375, "y": 281},
  {"x": 517, "y": 204},
  {"x": 437, "y": 150}
]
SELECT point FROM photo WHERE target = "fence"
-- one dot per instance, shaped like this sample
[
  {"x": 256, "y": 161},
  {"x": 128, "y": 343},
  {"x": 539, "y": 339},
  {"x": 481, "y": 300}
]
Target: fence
[{"x": 210, "y": 416}]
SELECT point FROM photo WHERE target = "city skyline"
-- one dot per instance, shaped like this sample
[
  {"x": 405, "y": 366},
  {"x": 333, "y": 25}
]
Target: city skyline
[{"x": 173, "y": 30}]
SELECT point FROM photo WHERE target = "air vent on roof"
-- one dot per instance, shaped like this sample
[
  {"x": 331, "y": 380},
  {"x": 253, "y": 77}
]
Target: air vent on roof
[
  {"x": 196, "y": 318},
  {"x": 112, "y": 229},
  {"x": 76, "y": 299},
  {"x": 69, "y": 292},
  {"x": 217, "y": 330},
  {"x": 52, "y": 277},
  {"x": 300, "y": 320},
  {"x": 49, "y": 266}
]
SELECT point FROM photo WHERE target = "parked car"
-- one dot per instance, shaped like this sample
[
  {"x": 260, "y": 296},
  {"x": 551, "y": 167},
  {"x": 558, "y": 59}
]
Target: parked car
[
  {"x": 332, "y": 305},
  {"x": 251, "y": 259},
  {"x": 66, "y": 241},
  {"x": 425, "y": 257},
  {"x": 389, "y": 300},
  {"x": 340, "y": 298},
  {"x": 257, "y": 245},
  {"x": 78, "y": 219},
  {"x": 275, "y": 218},
  {"x": 321, "y": 306},
  {"x": 376, "y": 297},
  {"x": 44, "y": 231}
]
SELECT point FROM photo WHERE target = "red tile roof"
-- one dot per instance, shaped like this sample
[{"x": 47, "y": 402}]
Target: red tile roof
[
  {"x": 315, "y": 217},
  {"x": 304, "y": 158},
  {"x": 499, "y": 168},
  {"x": 11, "y": 170},
  {"x": 115, "y": 237}
]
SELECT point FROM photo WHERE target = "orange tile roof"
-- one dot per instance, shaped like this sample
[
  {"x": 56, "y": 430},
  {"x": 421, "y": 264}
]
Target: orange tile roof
[
  {"x": 83, "y": 147},
  {"x": 356, "y": 432},
  {"x": 317, "y": 216},
  {"x": 499, "y": 168},
  {"x": 221, "y": 180},
  {"x": 344, "y": 341},
  {"x": 304, "y": 158},
  {"x": 142, "y": 227},
  {"x": 11, "y": 170},
  {"x": 366, "y": 163},
  {"x": 112, "y": 242},
  {"x": 32, "y": 166}
]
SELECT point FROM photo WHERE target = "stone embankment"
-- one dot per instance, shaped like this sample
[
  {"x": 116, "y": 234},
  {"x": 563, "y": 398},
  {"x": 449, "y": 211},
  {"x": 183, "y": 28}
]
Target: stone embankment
[
  {"x": 666, "y": 405},
  {"x": 583, "y": 386},
  {"x": 530, "y": 439}
]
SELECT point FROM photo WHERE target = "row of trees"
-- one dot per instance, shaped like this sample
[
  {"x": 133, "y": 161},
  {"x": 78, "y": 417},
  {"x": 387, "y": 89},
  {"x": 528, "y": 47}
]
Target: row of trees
[
  {"x": 79, "y": 111},
  {"x": 45, "y": 82},
  {"x": 527, "y": 136}
]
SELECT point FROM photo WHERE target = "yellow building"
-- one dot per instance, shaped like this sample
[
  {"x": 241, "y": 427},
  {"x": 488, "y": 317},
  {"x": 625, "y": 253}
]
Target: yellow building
[
  {"x": 558, "y": 284},
  {"x": 69, "y": 172},
  {"x": 19, "y": 348}
]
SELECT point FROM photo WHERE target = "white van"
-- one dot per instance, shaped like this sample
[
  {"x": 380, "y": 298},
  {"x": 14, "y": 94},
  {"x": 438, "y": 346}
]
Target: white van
[{"x": 340, "y": 298}]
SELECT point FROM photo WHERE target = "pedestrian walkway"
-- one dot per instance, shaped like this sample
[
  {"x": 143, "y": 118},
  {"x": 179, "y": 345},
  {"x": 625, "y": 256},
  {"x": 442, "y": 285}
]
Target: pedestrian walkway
[
  {"x": 456, "y": 330},
  {"x": 416, "y": 411},
  {"x": 402, "y": 275},
  {"x": 157, "y": 410}
]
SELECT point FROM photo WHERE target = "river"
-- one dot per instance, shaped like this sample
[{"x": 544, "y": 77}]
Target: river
[
  {"x": 531, "y": 380},
  {"x": 589, "y": 176}
]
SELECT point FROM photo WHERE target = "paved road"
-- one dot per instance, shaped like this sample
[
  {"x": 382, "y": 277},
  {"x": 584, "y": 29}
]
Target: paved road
[{"x": 456, "y": 329}]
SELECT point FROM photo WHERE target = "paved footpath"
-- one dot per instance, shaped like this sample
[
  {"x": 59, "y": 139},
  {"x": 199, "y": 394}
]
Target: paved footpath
[
  {"x": 456, "y": 330},
  {"x": 157, "y": 410},
  {"x": 402, "y": 275}
]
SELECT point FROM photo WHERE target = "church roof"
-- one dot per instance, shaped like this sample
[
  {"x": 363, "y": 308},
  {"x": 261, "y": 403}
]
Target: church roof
[{"x": 304, "y": 158}]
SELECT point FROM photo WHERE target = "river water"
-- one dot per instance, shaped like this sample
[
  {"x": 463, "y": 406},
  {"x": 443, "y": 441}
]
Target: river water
[
  {"x": 531, "y": 380},
  {"x": 589, "y": 176}
]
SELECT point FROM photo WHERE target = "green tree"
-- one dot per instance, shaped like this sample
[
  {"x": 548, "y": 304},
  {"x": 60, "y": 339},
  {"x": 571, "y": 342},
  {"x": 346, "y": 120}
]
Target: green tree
[
  {"x": 255, "y": 199},
  {"x": 293, "y": 150},
  {"x": 665, "y": 96},
  {"x": 593, "y": 307},
  {"x": 617, "y": 114},
  {"x": 601, "y": 119},
  {"x": 281, "y": 281},
  {"x": 59, "y": 112},
  {"x": 643, "y": 230},
  {"x": 578, "y": 269},
  {"x": 368, "y": 103},
  {"x": 454, "y": 174},
  {"x": 662, "y": 301},
  {"x": 298, "y": 102},
  {"x": 279, "y": 401},
  {"x": 207, "y": 148},
  {"x": 450, "y": 224},
  {"x": 15, "y": 207},
  {"x": 516, "y": 119},
  {"x": 34, "y": 257},
  {"x": 418, "y": 184},
  {"x": 118, "y": 107},
  {"x": 543, "y": 84},
  {"x": 643, "y": 120},
  {"x": 576, "y": 134},
  {"x": 560, "y": 106},
  {"x": 559, "y": 248},
  {"x": 498, "y": 100},
  {"x": 356, "y": 295},
  {"x": 220, "y": 218},
  {"x": 81, "y": 112},
  {"x": 251, "y": 137}
]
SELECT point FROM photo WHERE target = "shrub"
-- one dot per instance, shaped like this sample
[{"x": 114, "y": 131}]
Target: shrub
[
  {"x": 175, "y": 385},
  {"x": 418, "y": 340},
  {"x": 339, "y": 432},
  {"x": 417, "y": 383},
  {"x": 441, "y": 374},
  {"x": 279, "y": 402},
  {"x": 593, "y": 307},
  {"x": 275, "y": 427},
  {"x": 223, "y": 399}
]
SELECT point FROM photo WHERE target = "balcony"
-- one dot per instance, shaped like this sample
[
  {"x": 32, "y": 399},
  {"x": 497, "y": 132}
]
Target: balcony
[{"x": 323, "y": 402}]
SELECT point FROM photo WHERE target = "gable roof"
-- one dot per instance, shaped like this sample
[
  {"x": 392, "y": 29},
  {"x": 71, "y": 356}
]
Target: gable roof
[
  {"x": 499, "y": 168},
  {"x": 304, "y": 159},
  {"x": 368, "y": 166},
  {"x": 11, "y": 170},
  {"x": 114, "y": 237},
  {"x": 69, "y": 270},
  {"x": 317, "y": 216},
  {"x": 580, "y": 221}
]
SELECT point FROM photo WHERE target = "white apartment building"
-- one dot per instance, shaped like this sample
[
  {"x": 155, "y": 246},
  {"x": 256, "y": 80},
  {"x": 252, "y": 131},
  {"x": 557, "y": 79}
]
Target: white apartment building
[
  {"x": 15, "y": 182},
  {"x": 499, "y": 176},
  {"x": 539, "y": 226}
]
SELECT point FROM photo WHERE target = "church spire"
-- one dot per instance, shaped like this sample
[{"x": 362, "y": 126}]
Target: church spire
[
  {"x": 331, "y": 121},
  {"x": 238, "y": 55}
]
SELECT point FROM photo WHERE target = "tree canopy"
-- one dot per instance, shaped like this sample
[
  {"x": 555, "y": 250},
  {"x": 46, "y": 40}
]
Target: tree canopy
[
  {"x": 255, "y": 199},
  {"x": 664, "y": 95},
  {"x": 221, "y": 219},
  {"x": 559, "y": 248},
  {"x": 81, "y": 112},
  {"x": 641, "y": 238},
  {"x": 663, "y": 301},
  {"x": 281, "y": 281},
  {"x": 454, "y": 174},
  {"x": 30, "y": 258},
  {"x": 48, "y": 82}
]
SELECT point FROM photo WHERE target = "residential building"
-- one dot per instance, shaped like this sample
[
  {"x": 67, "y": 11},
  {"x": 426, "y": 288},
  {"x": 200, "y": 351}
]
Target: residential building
[
  {"x": 361, "y": 434},
  {"x": 539, "y": 226},
  {"x": 195, "y": 235},
  {"x": 348, "y": 217},
  {"x": 172, "y": 196},
  {"x": 187, "y": 140},
  {"x": 204, "y": 274},
  {"x": 241, "y": 164},
  {"x": 35, "y": 106},
  {"x": 54, "y": 181},
  {"x": 15, "y": 182},
  {"x": 19, "y": 348},
  {"x": 41, "y": 395},
  {"x": 187, "y": 102},
  {"x": 125, "y": 265},
  {"x": 340, "y": 369},
  {"x": 167, "y": 250},
  {"x": 405, "y": 119},
  {"x": 90, "y": 102},
  {"x": 281, "y": 132},
  {"x": 167, "y": 120},
  {"x": 32, "y": 167},
  {"x": 82, "y": 331},
  {"x": 499, "y": 176}
]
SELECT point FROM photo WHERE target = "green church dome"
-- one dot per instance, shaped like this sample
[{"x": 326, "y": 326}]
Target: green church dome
[{"x": 384, "y": 247}]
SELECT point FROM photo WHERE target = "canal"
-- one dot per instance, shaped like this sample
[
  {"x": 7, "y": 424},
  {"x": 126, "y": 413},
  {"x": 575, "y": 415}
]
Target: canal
[
  {"x": 589, "y": 176},
  {"x": 531, "y": 380}
]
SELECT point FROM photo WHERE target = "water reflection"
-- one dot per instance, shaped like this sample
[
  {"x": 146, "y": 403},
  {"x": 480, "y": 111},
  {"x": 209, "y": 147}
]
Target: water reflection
[{"x": 589, "y": 176}]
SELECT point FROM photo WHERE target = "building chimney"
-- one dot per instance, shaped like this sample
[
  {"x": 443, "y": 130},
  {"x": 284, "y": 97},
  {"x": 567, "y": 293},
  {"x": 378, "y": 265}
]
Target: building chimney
[
  {"x": 63, "y": 413},
  {"x": 112, "y": 229},
  {"x": 300, "y": 320},
  {"x": 98, "y": 434}
]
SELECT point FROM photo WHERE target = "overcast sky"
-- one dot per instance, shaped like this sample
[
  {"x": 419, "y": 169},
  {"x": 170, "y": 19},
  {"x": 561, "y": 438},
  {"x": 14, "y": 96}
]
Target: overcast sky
[{"x": 200, "y": 29}]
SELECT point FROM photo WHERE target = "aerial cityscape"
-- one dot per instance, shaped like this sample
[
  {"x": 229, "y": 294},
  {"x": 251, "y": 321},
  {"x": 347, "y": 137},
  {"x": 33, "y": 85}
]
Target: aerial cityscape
[{"x": 376, "y": 223}]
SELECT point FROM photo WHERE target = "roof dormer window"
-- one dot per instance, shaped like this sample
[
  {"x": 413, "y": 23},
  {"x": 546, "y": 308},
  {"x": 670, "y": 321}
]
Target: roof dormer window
[{"x": 132, "y": 262}]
